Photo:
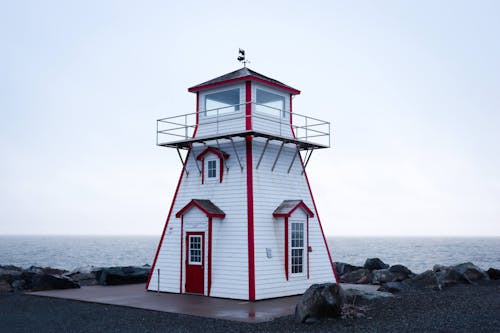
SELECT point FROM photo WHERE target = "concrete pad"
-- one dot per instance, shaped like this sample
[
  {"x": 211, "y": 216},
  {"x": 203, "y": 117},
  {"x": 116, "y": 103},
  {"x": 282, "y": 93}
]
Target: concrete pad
[{"x": 136, "y": 296}]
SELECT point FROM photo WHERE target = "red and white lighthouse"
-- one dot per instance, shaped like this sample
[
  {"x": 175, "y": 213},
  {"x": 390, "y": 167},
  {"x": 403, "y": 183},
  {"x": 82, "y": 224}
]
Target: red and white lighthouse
[{"x": 243, "y": 223}]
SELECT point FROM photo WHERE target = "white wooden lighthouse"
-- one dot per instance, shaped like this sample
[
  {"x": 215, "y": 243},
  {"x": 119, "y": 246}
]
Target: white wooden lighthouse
[{"x": 243, "y": 223}]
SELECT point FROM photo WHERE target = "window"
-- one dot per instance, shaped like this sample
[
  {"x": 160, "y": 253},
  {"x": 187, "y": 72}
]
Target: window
[
  {"x": 211, "y": 169},
  {"x": 270, "y": 103},
  {"x": 195, "y": 250},
  {"x": 222, "y": 102},
  {"x": 297, "y": 247}
]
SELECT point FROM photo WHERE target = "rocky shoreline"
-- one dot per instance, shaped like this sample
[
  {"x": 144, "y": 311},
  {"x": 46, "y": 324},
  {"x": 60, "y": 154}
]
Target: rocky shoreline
[
  {"x": 17, "y": 279},
  {"x": 459, "y": 298}
]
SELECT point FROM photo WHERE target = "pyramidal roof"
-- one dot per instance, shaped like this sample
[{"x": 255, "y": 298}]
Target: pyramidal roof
[{"x": 242, "y": 74}]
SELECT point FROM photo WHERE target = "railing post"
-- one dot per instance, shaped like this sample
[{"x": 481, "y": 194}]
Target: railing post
[
  {"x": 158, "y": 289},
  {"x": 185, "y": 127},
  {"x": 305, "y": 128}
]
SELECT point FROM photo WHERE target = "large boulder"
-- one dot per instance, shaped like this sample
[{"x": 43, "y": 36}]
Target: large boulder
[
  {"x": 470, "y": 272},
  {"x": 380, "y": 276},
  {"x": 402, "y": 272},
  {"x": 320, "y": 301},
  {"x": 344, "y": 268},
  {"x": 374, "y": 263},
  {"x": 121, "y": 275},
  {"x": 38, "y": 282},
  {"x": 493, "y": 273},
  {"x": 84, "y": 276},
  {"x": 425, "y": 280},
  {"x": 10, "y": 273},
  {"x": 359, "y": 276},
  {"x": 46, "y": 270}
]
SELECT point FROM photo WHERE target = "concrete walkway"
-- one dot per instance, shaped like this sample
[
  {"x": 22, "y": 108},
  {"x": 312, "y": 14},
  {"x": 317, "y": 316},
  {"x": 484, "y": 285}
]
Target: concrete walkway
[{"x": 136, "y": 296}]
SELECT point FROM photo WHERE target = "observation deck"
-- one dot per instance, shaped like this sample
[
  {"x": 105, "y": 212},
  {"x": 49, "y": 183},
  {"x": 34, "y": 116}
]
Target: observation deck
[{"x": 184, "y": 131}]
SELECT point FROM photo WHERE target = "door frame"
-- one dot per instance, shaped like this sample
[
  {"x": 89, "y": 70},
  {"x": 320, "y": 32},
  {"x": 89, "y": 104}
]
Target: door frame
[{"x": 187, "y": 261}]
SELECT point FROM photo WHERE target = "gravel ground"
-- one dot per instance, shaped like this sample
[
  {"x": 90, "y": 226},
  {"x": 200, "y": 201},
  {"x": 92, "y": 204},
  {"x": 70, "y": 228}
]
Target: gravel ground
[{"x": 462, "y": 308}]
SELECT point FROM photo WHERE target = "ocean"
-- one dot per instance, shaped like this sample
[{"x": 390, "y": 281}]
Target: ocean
[{"x": 418, "y": 254}]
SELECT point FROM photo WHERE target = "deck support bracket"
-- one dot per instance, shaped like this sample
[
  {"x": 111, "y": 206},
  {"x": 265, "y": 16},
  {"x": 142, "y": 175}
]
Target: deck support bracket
[
  {"x": 293, "y": 159},
  {"x": 278, "y": 155},
  {"x": 195, "y": 161},
  {"x": 218, "y": 147},
  {"x": 236, "y": 153},
  {"x": 262, "y": 153},
  {"x": 307, "y": 158}
]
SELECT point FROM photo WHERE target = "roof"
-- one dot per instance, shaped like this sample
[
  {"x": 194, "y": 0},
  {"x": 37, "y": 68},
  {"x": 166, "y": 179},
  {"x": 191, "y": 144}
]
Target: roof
[
  {"x": 287, "y": 207},
  {"x": 206, "y": 206},
  {"x": 243, "y": 74}
]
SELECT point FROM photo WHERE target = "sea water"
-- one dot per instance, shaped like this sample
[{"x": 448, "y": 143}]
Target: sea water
[{"x": 418, "y": 254}]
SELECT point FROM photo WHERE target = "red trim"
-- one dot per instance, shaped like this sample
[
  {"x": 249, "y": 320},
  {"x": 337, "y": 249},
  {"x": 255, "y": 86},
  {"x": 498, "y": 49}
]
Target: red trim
[
  {"x": 221, "y": 171},
  {"x": 193, "y": 203},
  {"x": 319, "y": 222},
  {"x": 248, "y": 105},
  {"x": 291, "y": 120},
  {"x": 307, "y": 249},
  {"x": 302, "y": 205},
  {"x": 211, "y": 150},
  {"x": 166, "y": 222},
  {"x": 202, "y": 172},
  {"x": 182, "y": 254},
  {"x": 286, "y": 248},
  {"x": 251, "y": 250},
  {"x": 209, "y": 278},
  {"x": 197, "y": 113},
  {"x": 244, "y": 78}
]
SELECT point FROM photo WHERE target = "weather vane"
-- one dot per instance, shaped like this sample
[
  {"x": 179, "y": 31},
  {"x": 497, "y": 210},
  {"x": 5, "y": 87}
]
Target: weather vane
[{"x": 241, "y": 57}]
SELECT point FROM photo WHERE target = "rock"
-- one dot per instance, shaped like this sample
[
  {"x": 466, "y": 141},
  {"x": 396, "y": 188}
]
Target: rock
[
  {"x": 493, "y": 273},
  {"x": 320, "y": 301},
  {"x": 10, "y": 273},
  {"x": 356, "y": 296},
  {"x": 447, "y": 276},
  {"x": 425, "y": 280},
  {"x": 402, "y": 272},
  {"x": 121, "y": 275},
  {"x": 18, "y": 285},
  {"x": 380, "y": 276},
  {"x": 83, "y": 279},
  {"x": 470, "y": 272},
  {"x": 344, "y": 268},
  {"x": 5, "y": 287},
  {"x": 46, "y": 270},
  {"x": 359, "y": 276},
  {"x": 394, "y": 287},
  {"x": 50, "y": 281},
  {"x": 374, "y": 263}
]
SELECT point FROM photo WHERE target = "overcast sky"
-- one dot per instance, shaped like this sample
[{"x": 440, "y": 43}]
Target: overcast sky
[{"x": 411, "y": 89}]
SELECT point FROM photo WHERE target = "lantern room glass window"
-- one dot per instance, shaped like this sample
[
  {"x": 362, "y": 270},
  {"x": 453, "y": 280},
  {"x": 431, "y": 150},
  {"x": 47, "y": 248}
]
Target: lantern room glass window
[
  {"x": 222, "y": 102},
  {"x": 297, "y": 247},
  {"x": 270, "y": 103},
  {"x": 211, "y": 169}
]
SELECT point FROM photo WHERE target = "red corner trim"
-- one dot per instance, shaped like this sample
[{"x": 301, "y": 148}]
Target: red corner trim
[
  {"x": 302, "y": 205},
  {"x": 286, "y": 248},
  {"x": 251, "y": 250},
  {"x": 202, "y": 172},
  {"x": 193, "y": 203},
  {"x": 182, "y": 254},
  {"x": 209, "y": 278},
  {"x": 319, "y": 222},
  {"x": 244, "y": 78},
  {"x": 166, "y": 222},
  {"x": 197, "y": 113},
  {"x": 248, "y": 105},
  {"x": 291, "y": 117}
]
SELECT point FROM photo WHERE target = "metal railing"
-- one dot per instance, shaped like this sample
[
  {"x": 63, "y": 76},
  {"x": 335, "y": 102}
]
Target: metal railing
[{"x": 232, "y": 119}]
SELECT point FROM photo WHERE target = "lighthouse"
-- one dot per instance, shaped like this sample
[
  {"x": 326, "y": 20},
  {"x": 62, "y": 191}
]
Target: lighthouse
[{"x": 243, "y": 223}]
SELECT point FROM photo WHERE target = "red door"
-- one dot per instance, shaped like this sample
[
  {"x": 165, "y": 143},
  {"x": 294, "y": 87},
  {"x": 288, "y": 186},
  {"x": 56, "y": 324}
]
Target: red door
[{"x": 194, "y": 262}]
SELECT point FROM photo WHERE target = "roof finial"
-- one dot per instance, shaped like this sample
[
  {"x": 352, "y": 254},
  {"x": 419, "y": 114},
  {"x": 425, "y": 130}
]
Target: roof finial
[{"x": 241, "y": 57}]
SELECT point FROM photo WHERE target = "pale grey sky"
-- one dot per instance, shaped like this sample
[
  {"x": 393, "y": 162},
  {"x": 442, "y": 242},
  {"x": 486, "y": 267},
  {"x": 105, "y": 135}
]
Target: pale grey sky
[{"x": 411, "y": 89}]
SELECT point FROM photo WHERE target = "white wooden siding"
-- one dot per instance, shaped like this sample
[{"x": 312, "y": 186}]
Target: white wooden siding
[
  {"x": 270, "y": 189},
  {"x": 229, "y": 238}
]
